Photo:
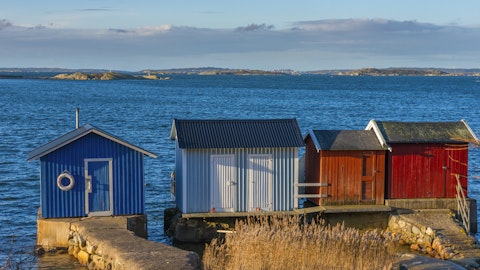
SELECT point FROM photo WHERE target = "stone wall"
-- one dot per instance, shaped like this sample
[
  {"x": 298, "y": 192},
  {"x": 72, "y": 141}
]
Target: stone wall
[
  {"x": 105, "y": 243},
  {"x": 421, "y": 238},
  {"x": 86, "y": 252}
]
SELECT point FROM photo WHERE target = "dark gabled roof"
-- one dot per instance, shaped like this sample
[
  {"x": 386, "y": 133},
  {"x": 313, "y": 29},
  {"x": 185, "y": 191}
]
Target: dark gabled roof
[
  {"x": 76, "y": 134},
  {"x": 424, "y": 132},
  {"x": 338, "y": 140},
  {"x": 202, "y": 134}
]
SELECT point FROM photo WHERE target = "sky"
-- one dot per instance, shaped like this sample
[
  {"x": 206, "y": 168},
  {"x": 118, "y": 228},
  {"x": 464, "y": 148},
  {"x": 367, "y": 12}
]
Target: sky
[{"x": 302, "y": 35}]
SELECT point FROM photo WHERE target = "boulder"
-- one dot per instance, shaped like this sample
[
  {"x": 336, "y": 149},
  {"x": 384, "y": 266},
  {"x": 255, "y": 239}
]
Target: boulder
[{"x": 83, "y": 257}]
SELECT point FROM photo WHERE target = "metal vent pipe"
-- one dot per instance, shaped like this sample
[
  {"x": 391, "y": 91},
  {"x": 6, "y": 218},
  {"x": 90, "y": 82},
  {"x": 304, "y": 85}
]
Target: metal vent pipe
[{"x": 77, "y": 112}]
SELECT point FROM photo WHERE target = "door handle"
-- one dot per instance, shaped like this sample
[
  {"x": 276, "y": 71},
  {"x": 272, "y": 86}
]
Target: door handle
[{"x": 88, "y": 180}]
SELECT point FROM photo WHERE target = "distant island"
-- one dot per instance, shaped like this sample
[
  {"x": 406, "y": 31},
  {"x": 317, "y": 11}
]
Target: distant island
[
  {"x": 345, "y": 72},
  {"x": 396, "y": 72},
  {"x": 164, "y": 74},
  {"x": 104, "y": 76}
]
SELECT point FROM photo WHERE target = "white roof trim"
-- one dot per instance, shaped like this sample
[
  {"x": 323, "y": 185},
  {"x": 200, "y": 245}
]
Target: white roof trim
[
  {"x": 372, "y": 125},
  {"x": 314, "y": 139},
  {"x": 471, "y": 131}
]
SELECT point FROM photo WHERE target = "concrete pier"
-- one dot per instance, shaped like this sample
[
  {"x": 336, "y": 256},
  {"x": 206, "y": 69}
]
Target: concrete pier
[
  {"x": 451, "y": 204},
  {"x": 106, "y": 243}
]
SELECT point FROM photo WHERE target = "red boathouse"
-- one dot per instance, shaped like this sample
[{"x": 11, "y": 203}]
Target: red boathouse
[
  {"x": 344, "y": 167},
  {"x": 424, "y": 157}
]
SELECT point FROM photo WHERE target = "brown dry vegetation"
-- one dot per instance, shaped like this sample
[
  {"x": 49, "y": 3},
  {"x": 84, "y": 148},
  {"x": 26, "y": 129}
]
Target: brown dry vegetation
[{"x": 290, "y": 243}]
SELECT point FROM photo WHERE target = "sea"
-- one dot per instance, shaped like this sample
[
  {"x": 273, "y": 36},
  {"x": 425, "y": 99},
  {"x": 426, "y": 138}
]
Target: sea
[{"x": 36, "y": 111}]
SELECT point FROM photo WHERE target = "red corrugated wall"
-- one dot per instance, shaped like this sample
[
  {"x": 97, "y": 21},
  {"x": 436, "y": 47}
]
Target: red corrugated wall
[{"x": 425, "y": 170}]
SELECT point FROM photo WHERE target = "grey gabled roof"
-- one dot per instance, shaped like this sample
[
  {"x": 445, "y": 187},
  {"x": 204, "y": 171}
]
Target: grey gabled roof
[
  {"x": 202, "y": 134},
  {"x": 76, "y": 134},
  {"x": 338, "y": 140},
  {"x": 423, "y": 132}
]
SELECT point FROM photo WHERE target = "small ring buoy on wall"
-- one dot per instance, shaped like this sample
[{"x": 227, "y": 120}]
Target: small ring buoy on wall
[{"x": 70, "y": 178}]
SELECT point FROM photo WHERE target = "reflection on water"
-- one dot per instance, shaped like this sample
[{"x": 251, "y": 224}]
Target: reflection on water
[
  {"x": 49, "y": 260},
  {"x": 58, "y": 261}
]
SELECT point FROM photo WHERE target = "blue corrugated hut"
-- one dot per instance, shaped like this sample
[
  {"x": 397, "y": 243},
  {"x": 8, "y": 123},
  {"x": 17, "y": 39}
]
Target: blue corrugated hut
[
  {"x": 89, "y": 172},
  {"x": 236, "y": 165}
]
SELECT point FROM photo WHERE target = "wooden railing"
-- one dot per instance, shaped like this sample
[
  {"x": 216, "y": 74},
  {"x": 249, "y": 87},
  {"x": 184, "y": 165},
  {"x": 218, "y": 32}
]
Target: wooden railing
[
  {"x": 298, "y": 195},
  {"x": 462, "y": 206}
]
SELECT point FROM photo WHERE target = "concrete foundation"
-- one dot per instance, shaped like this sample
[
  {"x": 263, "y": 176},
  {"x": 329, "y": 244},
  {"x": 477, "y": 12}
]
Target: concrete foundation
[
  {"x": 54, "y": 232},
  {"x": 203, "y": 227},
  {"x": 373, "y": 220}
]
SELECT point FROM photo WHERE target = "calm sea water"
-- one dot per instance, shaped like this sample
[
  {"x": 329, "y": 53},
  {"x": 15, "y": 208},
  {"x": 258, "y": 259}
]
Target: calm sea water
[{"x": 34, "y": 112}]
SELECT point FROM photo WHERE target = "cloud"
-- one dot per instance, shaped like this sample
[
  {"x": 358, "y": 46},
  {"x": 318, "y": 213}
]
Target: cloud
[
  {"x": 306, "y": 45},
  {"x": 4, "y": 24},
  {"x": 255, "y": 27},
  {"x": 152, "y": 30},
  {"x": 119, "y": 31},
  {"x": 384, "y": 36},
  {"x": 143, "y": 31},
  {"x": 94, "y": 9},
  {"x": 365, "y": 25}
]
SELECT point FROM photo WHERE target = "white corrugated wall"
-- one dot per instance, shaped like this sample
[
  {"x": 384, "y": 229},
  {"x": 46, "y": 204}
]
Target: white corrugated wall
[{"x": 196, "y": 178}]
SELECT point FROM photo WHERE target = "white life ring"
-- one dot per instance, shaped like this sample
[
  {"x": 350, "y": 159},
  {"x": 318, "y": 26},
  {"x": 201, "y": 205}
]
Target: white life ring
[{"x": 67, "y": 175}]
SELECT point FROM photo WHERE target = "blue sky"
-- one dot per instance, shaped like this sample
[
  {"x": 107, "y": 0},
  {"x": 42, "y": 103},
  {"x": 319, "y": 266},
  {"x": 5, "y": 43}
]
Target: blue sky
[{"x": 300, "y": 35}]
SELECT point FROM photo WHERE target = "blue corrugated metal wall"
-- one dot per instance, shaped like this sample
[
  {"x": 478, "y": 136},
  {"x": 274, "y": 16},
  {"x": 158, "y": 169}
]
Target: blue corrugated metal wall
[
  {"x": 198, "y": 179},
  {"x": 128, "y": 177}
]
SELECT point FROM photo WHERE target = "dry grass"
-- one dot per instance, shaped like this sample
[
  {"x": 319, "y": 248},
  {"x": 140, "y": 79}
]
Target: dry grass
[{"x": 290, "y": 243}]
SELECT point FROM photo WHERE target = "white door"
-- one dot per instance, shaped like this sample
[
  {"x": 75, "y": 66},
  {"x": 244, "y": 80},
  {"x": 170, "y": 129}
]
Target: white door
[
  {"x": 260, "y": 179},
  {"x": 222, "y": 192},
  {"x": 98, "y": 187}
]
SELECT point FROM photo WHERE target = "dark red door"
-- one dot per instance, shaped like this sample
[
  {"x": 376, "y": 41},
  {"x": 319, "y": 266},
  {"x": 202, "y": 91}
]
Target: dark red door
[
  {"x": 434, "y": 175},
  {"x": 368, "y": 178}
]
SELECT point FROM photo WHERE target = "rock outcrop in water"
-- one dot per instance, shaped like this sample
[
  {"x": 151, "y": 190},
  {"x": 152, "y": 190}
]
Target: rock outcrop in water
[{"x": 107, "y": 76}]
